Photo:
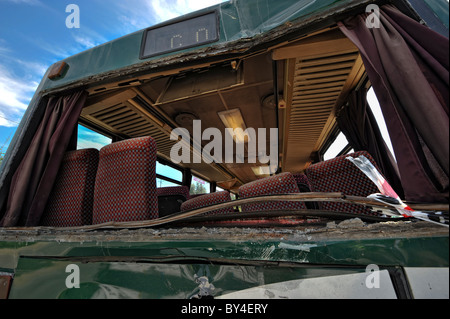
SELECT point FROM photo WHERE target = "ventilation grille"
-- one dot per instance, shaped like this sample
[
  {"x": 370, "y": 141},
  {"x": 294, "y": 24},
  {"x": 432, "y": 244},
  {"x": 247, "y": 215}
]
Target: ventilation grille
[
  {"x": 317, "y": 85},
  {"x": 125, "y": 119}
]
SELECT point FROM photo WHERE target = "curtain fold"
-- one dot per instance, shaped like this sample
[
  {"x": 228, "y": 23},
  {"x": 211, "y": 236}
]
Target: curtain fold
[
  {"x": 407, "y": 64},
  {"x": 360, "y": 127},
  {"x": 33, "y": 180}
]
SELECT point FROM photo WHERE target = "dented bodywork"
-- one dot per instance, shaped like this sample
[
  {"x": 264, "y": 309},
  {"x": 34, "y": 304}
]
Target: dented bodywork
[{"x": 164, "y": 262}]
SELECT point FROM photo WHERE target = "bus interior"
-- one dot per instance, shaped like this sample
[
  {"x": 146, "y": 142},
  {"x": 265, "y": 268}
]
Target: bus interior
[{"x": 297, "y": 80}]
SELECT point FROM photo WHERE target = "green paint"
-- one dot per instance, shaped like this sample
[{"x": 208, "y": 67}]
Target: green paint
[
  {"x": 42, "y": 275},
  {"x": 238, "y": 20}
]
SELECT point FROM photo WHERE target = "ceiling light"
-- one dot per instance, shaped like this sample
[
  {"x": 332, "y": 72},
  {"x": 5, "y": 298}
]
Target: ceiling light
[
  {"x": 264, "y": 170},
  {"x": 233, "y": 119},
  {"x": 261, "y": 170}
]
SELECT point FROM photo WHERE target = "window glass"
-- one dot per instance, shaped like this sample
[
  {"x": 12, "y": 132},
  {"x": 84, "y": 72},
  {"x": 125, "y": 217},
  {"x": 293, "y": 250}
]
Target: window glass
[
  {"x": 199, "y": 186},
  {"x": 163, "y": 183},
  {"x": 169, "y": 171},
  {"x": 336, "y": 147},
  {"x": 90, "y": 139},
  {"x": 341, "y": 142},
  {"x": 378, "y": 114}
]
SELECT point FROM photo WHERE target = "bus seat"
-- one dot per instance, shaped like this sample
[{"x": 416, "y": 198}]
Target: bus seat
[
  {"x": 341, "y": 175},
  {"x": 305, "y": 187},
  {"x": 302, "y": 182},
  {"x": 125, "y": 187},
  {"x": 72, "y": 197},
  {"x": 207, "y": 200},
  {"x": 170, "y": 199},
  {"x": 197, "y": 195},
  {"x": 283, "y": 183}
]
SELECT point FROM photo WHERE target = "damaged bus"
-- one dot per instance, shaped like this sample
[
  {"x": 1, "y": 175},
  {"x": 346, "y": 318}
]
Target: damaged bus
[{"x": 222, "y": 173}]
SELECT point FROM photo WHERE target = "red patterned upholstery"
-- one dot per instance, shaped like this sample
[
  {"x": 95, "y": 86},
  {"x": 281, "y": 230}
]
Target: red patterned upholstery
[
  {"x": 125, "y": 187},
  {"x": 196, "y": 195},
  {"x": 207, "y": 200},
  {"x": 302, "y": 181},
  {"x": 72, "y": 197},
  {"x": 171, "y": 198},
  {"x": 174, "y": 190},
  {"x": 283, "y": 183},
  {"x": 341, "y": 175}
]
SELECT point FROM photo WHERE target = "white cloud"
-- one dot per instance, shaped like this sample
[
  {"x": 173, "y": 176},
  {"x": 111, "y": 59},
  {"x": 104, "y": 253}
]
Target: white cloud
[
  {"x": 85, "y": 41},
  {"x": 90, "y": 139},
  {"x": 15, "y": 95},
  {"x": 60, "y": 51},
  {"x": 18, "y": 82},
  {"x": 4, "y": 121},
  {"x": 166, "y": 10},
  {"x": 8, "y": 58},
  {"x": 32, "y": 69},
  {"x": 87, "y": 36},
  {"x": 141, "y": 14}
]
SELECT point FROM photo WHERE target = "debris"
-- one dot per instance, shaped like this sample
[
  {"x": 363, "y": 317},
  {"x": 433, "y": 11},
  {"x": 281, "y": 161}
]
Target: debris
[
  {"x": 331, "y": 225},
  {"x": 351, "y": 223}
]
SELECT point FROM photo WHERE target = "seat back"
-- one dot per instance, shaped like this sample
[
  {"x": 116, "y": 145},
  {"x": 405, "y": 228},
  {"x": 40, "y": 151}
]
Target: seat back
[
  {"x": 197, "y": 195},
  {"x": 283, "y": 183},
  {"x": 125, "y": 187},
  {"x": 207, "y": 200},
  {"x": 341, "y": 175},
  {"x": 302, "y": 182},
  {"x": 71, "y": 200},
  {"x": 305, "y": 187},
  {"x": 171, "y": 198}
]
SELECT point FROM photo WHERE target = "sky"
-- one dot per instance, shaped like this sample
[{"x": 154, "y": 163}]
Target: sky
[{"x": 34, "y": 35}]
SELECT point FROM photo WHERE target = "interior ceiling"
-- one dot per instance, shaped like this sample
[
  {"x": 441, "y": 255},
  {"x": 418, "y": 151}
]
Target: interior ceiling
[
  {"x": 321, "y": 71},
  {"x": 315, "y": 75}
]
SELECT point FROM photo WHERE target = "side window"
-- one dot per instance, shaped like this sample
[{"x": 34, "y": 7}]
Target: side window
[
  {"x": 91, "y": 139},
  {"x": 199, "y": 186},
  {"x": 168, "y": 176},
  {"x": 340, "y": 146},
  {"x": 378, "y": 114}
]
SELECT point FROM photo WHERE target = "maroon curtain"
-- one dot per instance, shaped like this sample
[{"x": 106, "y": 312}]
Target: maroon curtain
[
  {"x": 360, "y": 127},
  {"x": 407, "y": 64},
  {"x": 33, "y": 180}
]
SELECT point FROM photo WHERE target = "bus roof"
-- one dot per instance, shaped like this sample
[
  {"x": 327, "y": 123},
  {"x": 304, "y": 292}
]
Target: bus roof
[{"x": 240, "y": 26}]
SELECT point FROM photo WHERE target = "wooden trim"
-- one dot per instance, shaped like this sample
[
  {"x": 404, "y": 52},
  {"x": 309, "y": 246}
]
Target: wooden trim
[
  {"x": 298, "y": 197},
  {"x": 315, "y": 49}
]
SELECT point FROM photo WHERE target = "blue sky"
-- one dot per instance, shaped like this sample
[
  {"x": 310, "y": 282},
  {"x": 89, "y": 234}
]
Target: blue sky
[{"x": 33, "y": 35}]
